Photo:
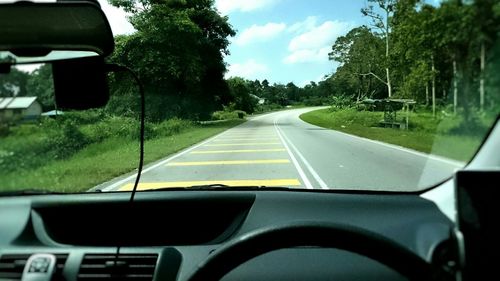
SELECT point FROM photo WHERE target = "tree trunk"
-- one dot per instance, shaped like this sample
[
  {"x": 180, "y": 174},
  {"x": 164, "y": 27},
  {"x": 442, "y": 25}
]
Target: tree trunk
[
  {"x": 455, "y": 86},
  {"x": 389, "y": 87},
  {"x": 433, "y": 88},
  {"x": 426, "y": 94},
  {"x": 387, "y": 71},
  {"x": 481, "y": 81}
]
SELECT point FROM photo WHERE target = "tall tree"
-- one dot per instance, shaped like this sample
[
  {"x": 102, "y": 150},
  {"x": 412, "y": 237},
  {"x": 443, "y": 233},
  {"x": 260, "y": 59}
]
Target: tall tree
[
  {"x": 185, "y": 41},
  {"x": 359, "y": 53},
  {"x": 382, "y": 24}
]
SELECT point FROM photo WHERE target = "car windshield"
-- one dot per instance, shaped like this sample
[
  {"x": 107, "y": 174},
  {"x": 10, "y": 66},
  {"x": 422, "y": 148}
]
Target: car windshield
[{"x": 379, "y": 95}]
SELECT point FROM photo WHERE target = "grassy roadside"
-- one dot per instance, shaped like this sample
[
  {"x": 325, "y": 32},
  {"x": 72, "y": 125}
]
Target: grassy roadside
[
  {"x": 99, "y": 162},
  {"x": 426, "y": 134}
]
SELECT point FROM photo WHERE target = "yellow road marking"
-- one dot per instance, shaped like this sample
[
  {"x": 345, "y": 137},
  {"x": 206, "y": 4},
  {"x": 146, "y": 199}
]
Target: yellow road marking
[
  {"x": 229, "y": 162},
  {"x": 238, "y": 144},
  {"x": 156, "y": 185},
  {"x": 238, "y": 151}
]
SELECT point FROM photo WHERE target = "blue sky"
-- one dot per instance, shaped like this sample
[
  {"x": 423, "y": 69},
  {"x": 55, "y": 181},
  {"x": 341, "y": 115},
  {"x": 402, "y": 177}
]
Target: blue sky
[{"x": 287, "y": 40}]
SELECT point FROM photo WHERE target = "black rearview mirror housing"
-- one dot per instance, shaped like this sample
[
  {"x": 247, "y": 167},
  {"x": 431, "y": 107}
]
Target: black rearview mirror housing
[
  {"x": 30, "y": 29},
  {"x": 80, "y": 84},
  {"x": 75, "y": 36}
]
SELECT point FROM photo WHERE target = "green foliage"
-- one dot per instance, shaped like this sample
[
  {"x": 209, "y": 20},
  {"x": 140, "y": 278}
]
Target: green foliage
[
  {"x": 240, "y": 90},
  {"x": 340, "y": 102},
  {"x": 228, "y": 114},
  {"x": 41, "y": 85},
  {"x": 115, "y": 156},
  {"x": 181, "y": 81},
  {"x": 66, "y": 141},
  {"x": 267, "y": 107},
  {"x": 424, "y": 42},
  {"x": 29, "y": 146},
  {"x": 171, "y": 127},
  {"x": 13, "y": 83}
]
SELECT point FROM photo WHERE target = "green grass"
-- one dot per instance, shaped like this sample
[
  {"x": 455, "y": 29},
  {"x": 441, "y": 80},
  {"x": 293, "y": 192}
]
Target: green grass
[
  {"x": 102, "y": 161},
  {"x": 426, "y": 134}
]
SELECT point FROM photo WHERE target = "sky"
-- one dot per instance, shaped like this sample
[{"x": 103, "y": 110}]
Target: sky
[
  {"x": 278, "y": 40},
  {"x": 287, "y": 40}
]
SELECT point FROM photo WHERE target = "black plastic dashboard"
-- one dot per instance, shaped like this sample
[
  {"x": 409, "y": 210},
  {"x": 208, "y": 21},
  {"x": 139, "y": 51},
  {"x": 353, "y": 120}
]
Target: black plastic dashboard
[{"x": 165, "y": 235}]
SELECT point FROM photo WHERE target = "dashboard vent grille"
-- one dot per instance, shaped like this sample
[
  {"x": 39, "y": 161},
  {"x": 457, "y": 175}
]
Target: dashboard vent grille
[
  {"x": 12, "y": 266},
  {"x": 137, "y": 267}
]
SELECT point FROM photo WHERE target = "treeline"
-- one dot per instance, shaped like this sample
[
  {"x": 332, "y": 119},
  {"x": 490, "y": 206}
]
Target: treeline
[
  {"x": 439, "y": 56},
  {"x": 255, "y": 95},
  {"x": 445, "y": 57}
]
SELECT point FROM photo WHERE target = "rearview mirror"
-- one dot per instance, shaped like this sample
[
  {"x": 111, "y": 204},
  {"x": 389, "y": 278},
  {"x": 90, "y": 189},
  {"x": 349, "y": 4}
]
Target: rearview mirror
[
  {"x": 59, "y": 32},
  {"x": 30, "y": 29}
]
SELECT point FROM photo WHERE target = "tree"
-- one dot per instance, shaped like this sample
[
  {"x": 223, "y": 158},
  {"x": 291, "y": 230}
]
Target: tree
[
  {"x": 382, "y": 24},
  {"x": 415, "y": 49},
  {"x": 183, "y": 68},
  {"x": 13, "y": 83},
  {"x": 292, "y": 92},
  {"x": 488, "y": 22},
  {"x": 359, "y": 53},
  {"x": 41, "y": 85},
  {"x": 242, "y": 94}
]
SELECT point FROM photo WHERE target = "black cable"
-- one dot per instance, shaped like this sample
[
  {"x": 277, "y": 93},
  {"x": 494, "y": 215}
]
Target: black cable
[{"x": 118, "y": 68}]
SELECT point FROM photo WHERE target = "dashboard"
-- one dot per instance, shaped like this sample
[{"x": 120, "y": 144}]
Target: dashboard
[{"x": 166, "y": 235}]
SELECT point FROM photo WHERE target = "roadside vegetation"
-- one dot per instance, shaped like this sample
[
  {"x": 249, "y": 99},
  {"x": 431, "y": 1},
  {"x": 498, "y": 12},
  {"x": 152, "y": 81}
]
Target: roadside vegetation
[{"x": 80, "y": 150}]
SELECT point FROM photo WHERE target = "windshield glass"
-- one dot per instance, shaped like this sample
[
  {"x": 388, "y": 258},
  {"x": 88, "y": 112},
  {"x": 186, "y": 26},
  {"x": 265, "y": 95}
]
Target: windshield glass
[{"x": 353, "y": 95}]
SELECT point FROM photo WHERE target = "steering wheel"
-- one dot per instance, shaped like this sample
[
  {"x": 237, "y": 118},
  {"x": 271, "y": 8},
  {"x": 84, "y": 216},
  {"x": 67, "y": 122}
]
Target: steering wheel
[{"x": 327, "y": 235}]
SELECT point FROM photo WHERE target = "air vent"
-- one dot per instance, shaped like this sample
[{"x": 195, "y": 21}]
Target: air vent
[
  {"x": 137, "y": 267},
  {"x": 12, "y": 266}
]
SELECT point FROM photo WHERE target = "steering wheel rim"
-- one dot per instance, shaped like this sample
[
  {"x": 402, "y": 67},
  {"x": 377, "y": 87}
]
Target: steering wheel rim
[{"x": 327, "y": 235}]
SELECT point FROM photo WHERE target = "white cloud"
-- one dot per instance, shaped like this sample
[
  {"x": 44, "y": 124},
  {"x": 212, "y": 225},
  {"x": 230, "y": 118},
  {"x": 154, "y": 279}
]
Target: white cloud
[
  {"x": 308, "y": 55},
  {"x": 228, "y": 6},
  {"x": 117, "y": 19},
  {"x": 303, "y": 26},
  {"x": 260, "y": 33},
  {"x": 319, "y": 36},
  {"x": 313, "y": 44},
  {"x": 249, "y": 69}
]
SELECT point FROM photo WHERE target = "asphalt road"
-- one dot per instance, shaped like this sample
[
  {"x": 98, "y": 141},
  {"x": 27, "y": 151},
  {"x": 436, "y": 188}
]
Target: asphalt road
[{"x": 279, "y": 149}]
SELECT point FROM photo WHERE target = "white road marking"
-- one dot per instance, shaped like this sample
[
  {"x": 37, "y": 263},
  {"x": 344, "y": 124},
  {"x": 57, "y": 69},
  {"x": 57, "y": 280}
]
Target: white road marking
[
  {"x": 302, "y": 175},
  {"x": 315, "y": 175},
  {"x": 448, "y": 161}
]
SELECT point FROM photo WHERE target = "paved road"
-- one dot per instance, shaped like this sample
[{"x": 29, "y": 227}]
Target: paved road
[{"x": 279, "y": 149}]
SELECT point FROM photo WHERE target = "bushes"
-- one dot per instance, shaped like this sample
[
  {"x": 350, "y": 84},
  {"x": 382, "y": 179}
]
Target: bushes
[
  {"x": 340, "y": 102},
  {"x": 30, "y": 146},
  {"x": 67, "y": 141},
  {"x": 261, "y": 108},
  {"x": 171, "y": 127},
  {"x": 228, "y": 115}
]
